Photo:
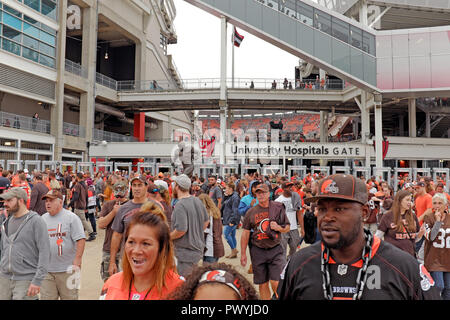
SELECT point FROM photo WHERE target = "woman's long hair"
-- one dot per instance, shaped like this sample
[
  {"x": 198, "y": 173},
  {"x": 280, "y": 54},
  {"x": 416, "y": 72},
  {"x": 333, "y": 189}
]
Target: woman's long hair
[
  {"x": 211, "y": 207},
  {"x": 151, "y": 215},
  {"x": 409, "y": 215}
]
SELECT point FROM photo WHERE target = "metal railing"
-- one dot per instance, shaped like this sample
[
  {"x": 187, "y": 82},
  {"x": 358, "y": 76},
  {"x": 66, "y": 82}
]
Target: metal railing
[
  {"x": 11, "y": 120},
  {"x": 112, "y": 136},
  {"x": 106, "y": 81},
  {"x": 74, "y": 130},
  {"x": 238, "y": 83},
  {"x": 76, "y": 69}
]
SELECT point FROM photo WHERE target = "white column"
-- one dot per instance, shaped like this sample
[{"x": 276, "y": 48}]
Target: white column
[
  {"x": 427, "y": 125},
  {"x": 363, "y": 13},
  {"x": 378, "y": 131},
  {"x": 56, "y": 114},
  {"x": 365, "y": 125},
  {"x": 412, "y": 118},
  {"x": 323, "y": 132},
  {"x": 223, "y": 88}
]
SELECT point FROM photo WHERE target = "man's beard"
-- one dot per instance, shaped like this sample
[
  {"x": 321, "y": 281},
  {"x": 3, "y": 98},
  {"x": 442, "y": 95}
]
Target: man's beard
[
  {"x": 344, "y": 242},
  {"x": 13, "y": 210}
]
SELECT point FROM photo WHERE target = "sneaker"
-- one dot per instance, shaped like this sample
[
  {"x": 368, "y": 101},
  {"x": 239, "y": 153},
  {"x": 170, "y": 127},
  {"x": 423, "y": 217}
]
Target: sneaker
[{"x": 91, "y": 237}]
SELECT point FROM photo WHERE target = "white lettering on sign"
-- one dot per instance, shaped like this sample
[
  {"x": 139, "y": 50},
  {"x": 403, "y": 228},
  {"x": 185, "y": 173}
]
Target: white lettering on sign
[
  {"x": 315, "y": 150},
  {"x": 73, "y": 17}
]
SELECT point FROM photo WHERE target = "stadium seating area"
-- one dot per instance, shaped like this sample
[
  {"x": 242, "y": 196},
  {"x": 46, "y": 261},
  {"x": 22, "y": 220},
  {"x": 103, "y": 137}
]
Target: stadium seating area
[{"x": 295, "y": 127}]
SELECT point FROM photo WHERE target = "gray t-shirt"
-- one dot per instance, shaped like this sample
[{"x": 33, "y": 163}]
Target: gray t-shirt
[
  {"x": 64, "y": 230},
  {"x": 189, "y": 215},
  {"x": 14, "y": 224},
  {"x": 215, "y": 193},
  {"x": 124, "y": 215}
]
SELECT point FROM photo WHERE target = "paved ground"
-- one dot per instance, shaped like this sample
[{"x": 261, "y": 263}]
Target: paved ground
[{"x": 91, "y": 282}]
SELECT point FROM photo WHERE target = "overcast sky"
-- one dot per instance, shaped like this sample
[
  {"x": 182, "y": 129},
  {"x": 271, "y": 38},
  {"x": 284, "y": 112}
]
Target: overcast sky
[{"x": 197, "y": 53}]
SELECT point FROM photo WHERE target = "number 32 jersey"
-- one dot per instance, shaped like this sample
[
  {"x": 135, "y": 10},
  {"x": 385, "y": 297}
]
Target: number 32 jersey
[{"x": 437, "y": 251}]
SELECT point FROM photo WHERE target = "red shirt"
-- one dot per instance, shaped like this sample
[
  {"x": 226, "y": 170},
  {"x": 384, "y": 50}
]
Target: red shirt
[
  {"x": 423, "y": 203},
  {"x": 112, "y": 289}
]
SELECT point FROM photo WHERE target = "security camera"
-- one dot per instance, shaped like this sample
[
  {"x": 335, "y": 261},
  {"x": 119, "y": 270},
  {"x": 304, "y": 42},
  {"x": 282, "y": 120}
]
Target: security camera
[{"x": 104, "y": 143}]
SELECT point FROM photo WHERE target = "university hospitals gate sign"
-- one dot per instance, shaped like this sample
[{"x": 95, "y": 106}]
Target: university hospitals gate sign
[{"x": 269, "y": 150}]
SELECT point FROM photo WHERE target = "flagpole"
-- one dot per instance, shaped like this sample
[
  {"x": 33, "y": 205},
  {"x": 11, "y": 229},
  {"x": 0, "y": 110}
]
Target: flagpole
[{"x": 232, "y": 58}]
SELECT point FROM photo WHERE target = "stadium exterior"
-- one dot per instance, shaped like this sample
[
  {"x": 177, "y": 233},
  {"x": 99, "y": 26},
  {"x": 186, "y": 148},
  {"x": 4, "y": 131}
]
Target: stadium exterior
[{"x": 69, "y": 61}]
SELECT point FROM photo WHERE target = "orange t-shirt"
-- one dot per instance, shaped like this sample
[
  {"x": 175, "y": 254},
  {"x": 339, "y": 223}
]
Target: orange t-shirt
[
  {"x": 423, "y": 203},
  {"x": 112, "y": 289}
]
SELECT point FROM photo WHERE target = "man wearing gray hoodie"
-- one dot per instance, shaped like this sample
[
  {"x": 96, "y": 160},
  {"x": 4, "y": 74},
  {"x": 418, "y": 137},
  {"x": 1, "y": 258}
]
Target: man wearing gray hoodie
[{"x": 25, "y": 249}]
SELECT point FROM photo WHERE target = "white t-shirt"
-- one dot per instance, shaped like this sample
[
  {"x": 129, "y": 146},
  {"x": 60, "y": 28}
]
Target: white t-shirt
[
  {"x": 209, "y": 239},
  {"x": 290, "y": 212},
  {"x": 64, "y": 230}
]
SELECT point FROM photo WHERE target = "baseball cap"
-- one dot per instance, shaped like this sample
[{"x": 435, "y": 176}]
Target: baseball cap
[
  {"x": 286, "y": 185},
  {"x": 341, "y": 186},
  {"x": 262, "y": 187},
  {"x": 183, "y": 181},
  {"x": 161, "y": 184},
  {"x": 120, "y": 188},
  {"x": 53, "y": 194},
  {"x": 161, "y": 175},
  {"x": 140, "y": 177},
  {"x": 17, "y": 192}
]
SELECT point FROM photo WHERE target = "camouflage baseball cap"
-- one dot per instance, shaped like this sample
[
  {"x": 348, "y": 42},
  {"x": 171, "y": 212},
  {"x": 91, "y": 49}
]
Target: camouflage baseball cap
[
  {"x": 341, "y": 186},
  {"x": 120, "y": 188}
]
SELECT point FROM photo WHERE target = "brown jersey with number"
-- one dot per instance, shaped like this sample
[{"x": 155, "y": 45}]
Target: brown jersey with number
[{"x": 437, "y": 251}]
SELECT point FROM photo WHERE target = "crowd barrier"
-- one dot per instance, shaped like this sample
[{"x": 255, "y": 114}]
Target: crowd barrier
[{"x": 391, "y": 175}]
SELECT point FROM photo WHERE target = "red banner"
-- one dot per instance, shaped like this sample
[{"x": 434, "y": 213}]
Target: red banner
[
  {"x": 384, "y": 146},
  {"x": 207, "y": 147}
]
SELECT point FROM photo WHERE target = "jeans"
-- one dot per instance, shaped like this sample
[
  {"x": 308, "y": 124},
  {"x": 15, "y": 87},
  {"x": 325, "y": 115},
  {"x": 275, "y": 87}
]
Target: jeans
[
  {"x": 91, "y": 218},
  {"x": 210, "y": 259},
  {"x": 230, "y": 235},
  {"x": 442, "y": 280}
]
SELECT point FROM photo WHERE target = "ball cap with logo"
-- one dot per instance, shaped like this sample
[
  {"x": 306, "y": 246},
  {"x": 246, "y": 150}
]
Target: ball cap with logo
[
  {"x": 343, "y": 187},
  {"x": 53, "y": 194}
]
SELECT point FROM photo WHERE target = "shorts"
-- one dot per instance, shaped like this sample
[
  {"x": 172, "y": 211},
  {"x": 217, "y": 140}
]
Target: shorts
[{"x": 267, "y": 263}]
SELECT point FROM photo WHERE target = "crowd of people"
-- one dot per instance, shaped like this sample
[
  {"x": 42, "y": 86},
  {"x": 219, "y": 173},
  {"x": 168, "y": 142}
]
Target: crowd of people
[{"x": 312, "y": 237}]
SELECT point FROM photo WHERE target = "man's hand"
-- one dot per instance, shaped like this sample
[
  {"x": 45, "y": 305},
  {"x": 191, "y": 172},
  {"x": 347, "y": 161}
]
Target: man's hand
[
  {"x": 275, "y": 226},
  {"x": 252, "y": 203},
  {"x": 243, "y": 259},
  {"x": 112, "y": 268},
  {"x": 77, "y": 262},
  {"x": 33, "y": 290}
]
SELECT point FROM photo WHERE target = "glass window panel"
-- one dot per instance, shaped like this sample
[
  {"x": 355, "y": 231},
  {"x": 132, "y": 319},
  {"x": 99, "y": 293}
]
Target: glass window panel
[
  {"x": 49, "y": 8},
  {"x": 48, "y": 29},
  {"x": 50, "y": 51},
  {"x": 12, "y": 11},
  {"x": 306, "y": 13},
  {"x": 48, "y": 38},
  {"x": 30, "y": 54},
  {"x": 12, "y": 34},
  {"x": 30, "y": 42},
  {"x": 33, "y": 4},
  {"x": 356, "y": 37},
  {"x": 369, "y": 43},
  {"x": 340, "y": 30},
  {"x": 46, "y": 61},
  {"x": 322, "y": 21},
  {"x": 32, "y": 21},
  {"x": 10, "y": 46},
  {"x": 30, "y": 30},
  {"x": 12, "y": 21}
]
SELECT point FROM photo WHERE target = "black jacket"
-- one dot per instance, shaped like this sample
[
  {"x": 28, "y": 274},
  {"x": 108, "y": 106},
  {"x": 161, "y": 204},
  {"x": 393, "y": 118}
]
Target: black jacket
[{"x": 230, "y": 212}]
